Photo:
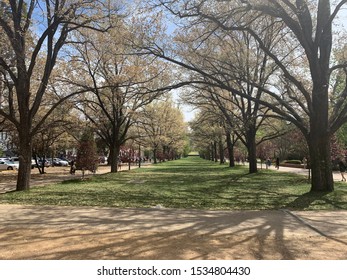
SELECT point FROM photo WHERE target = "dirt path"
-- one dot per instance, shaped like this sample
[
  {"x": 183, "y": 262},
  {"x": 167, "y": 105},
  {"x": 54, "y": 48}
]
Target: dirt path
[{"x": 33, "y": 232}]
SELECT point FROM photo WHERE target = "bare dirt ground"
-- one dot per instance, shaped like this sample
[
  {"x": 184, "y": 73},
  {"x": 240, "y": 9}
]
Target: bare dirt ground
[
  {"x": 52, "y": 174},
  {"x": 52, "y": 232}
]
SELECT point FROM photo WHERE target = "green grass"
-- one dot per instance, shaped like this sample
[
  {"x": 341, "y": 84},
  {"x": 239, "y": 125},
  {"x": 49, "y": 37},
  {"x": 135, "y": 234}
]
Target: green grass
[{"x": 190, "y": 183}]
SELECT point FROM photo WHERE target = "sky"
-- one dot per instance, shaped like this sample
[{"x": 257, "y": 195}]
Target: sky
[{"x": 188, "y": 112}]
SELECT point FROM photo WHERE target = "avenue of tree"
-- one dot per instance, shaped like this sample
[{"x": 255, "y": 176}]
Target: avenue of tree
[
  {"x": 296, "y": 77},
  {"x": 256, "y": 70}
]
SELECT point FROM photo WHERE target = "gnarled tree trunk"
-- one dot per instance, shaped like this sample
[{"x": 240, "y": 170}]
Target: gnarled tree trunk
[{"x": 319, "y": 142}]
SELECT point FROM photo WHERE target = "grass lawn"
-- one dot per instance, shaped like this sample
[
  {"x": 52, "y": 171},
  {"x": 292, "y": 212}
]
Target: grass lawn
[{"x": 187, "y": 183}]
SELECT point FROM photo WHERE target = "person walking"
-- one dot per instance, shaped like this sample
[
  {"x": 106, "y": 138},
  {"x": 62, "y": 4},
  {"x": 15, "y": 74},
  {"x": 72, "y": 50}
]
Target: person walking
[
  {"x": 278, "y": 163},
  {"x": 268, "y": 163},
  {"x": 304, "y": 161},
  {"x": 73, "y": 167},
  {"x": 342, "y": 168}
]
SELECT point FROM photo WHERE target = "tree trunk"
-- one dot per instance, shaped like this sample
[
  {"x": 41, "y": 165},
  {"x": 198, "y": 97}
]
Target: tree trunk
[
  {"x": 319, "y": 144},
  {"x": 212, "y": 152},
  {"x": 114, "y": 157},
  {"x": 215, "y": 151},
  {"x": 155, "y": 156},
  {"x": 24, "y": 171},
  {"x": 221, "y": 151},
  {"x": 43, "y": 164},
  {"x": 320, "y": 161},
  {"x": 252, "y": 150},
  {"x": 230, "y": 148},
  {"x": 252, "y": 157}
]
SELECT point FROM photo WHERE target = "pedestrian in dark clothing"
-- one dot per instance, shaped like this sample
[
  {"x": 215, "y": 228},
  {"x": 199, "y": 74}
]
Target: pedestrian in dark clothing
[
  {"x": 268, "y": 163},
  {"x": 277, "y": 163},
  {"x": 72, "y": 168},
  {"x": 342, "y": 168}
]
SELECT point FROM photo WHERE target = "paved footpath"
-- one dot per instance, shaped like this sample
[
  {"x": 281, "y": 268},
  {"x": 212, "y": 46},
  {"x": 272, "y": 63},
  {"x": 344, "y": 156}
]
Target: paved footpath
[
  {"x": 301, "y": 171},
  {"x": 53, "y": 232}
]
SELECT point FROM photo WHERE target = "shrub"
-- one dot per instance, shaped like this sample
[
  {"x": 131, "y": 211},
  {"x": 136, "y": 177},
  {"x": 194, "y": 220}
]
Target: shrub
[{"x": 87, "y": 156}]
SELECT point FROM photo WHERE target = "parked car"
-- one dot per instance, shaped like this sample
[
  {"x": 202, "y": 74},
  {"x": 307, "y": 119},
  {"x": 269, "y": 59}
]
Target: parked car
[
  {"x": 47, "y": 162},
  {"x": 39, "y": 163},
  {"x": 33, "y": 164},
  {"x": 5, "y": 158},
  {"x": 60, "y": 162},
  {"x": 15, "y": 160},
  {"x": 8, "y": 165}
]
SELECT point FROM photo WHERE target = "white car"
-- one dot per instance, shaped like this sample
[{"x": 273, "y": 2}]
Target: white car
[
  {"x": 60, "y": 162},
  {"x": 8, "y": 165}
]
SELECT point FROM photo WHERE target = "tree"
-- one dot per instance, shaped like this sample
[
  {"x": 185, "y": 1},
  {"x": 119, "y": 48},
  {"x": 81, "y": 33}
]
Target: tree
[
  {"x": 291, "y": 145},
  {"x": 87, "y": 156},
  {"x": 37, "y": 31},
  {"x": 162, "y": 127},
  {"x": 118, "y": 81},
  {"x": 314, "y": 35},
  {"x": 220, "y": 63},
  {"x": 219, "y": 126},
  {"x": 305, "y": 101},
  {"x": 53, "y": 136},
  {"x": 206, "y": 135}
]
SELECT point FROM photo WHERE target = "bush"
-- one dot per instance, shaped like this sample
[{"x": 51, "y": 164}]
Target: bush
[{"x": 87, "y": 156}]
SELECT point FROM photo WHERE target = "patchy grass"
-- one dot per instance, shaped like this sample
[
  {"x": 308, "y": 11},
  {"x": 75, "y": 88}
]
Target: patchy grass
[{"x": 187, "y": 183}]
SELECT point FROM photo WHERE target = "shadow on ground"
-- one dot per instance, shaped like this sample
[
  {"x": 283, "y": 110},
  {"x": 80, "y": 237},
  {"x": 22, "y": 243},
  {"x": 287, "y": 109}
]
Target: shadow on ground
[{"x": 104, "y": 233}]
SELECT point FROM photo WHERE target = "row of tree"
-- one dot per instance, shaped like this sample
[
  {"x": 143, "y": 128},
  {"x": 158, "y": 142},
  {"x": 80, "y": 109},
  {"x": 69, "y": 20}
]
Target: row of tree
[
  {"x": 257, "y": 60},
  {"x": 214, "y": 140},
  {"x": 69, "y": 65},
  {"x": 252, "y": 61}
]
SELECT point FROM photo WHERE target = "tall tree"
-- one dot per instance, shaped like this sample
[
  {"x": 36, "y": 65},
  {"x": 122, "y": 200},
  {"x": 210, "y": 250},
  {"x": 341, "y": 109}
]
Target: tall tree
[
  {"x": 37, "y": 31},
  {"x": 118, "y": 81}
]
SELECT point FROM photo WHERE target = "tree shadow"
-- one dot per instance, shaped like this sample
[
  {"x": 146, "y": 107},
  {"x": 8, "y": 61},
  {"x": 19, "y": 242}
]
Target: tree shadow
[
  {"x": 305, "y": 200},
  {"x": 110, "y": 233}
]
